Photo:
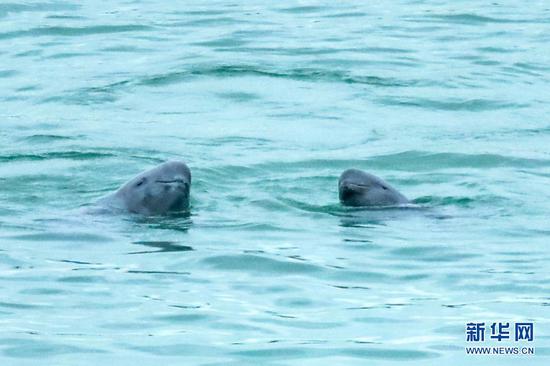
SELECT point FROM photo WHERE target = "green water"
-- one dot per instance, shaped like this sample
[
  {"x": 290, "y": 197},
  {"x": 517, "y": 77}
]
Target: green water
[{"x": 268, "y": 103}]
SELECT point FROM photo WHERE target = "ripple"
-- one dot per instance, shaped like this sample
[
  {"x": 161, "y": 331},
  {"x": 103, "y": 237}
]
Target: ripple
[
  {"x": 432, "y": 253},
  {"x": 74, "y": 31},
  {"x": 183, "y": 318},
  {"x": 239, "y": 96},
  {"x": 389, "y": 354},
  {"x": 300, "y": 74},
  {"x": 63, "y": 55},
  {"x": 473, "y": 105},
  {"x": 82, "y": 279},
  {"x": 361, "y": 276},
  {"x": 363, "y": 353},
  {"x": 45, "y": 291},
  {"x": 169, "y": 273},
  {"x": 63, "y": 237},
  {"x": 413, "y": 160},
  {"x": 162, "y": 246},
  {"x": 347, "y": 15},
  {"x": 472, "y": 19},
  {"x": 107, "y": 93},
  {"x": 39, "y": 349},
  {"x": 71, "y": 155},
  {"x": 44, "y": 139},
  {"x": 9, "y": 8},
  {"x": 275, "y": 353},
  {"x": 220, "y": 21},
  {"x": 7, "y": 73},
  {"x": 11, "y": 305},
  {"x": 445, "y": 201},
  {"x": 302, "y": 9},
  {"x": 180, "y": 350},
  {"x": 258, "y": 264},
  {"x": 222, "y": 42}
]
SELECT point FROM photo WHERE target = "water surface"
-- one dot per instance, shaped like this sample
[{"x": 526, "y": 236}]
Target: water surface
[{"x": 268, "y": 104}]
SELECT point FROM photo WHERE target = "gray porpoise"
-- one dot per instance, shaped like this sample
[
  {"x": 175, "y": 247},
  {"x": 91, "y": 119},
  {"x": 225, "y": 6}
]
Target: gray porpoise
[
  {"x": 358, "y": 188},
  {"x": 158, "y": 191}
]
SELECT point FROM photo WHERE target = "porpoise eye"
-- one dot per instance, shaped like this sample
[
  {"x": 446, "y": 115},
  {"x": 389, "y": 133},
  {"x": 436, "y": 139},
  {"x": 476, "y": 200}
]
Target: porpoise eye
[
  {"x": 140, "y": 182},
  {"x": 384, "y": 188}
]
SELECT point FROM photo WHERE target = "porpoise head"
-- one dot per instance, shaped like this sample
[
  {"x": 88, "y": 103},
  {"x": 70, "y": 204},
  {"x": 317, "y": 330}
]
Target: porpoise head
[
  {"x": 358, "y": 188},
  {"x": 158, "y": 191}
]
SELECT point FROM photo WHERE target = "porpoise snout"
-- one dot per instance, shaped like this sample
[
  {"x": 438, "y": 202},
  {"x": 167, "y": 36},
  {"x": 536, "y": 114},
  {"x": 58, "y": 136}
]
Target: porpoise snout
[
  {"x": 359, "y": 188},
  {"x": 347, "y": 189}
]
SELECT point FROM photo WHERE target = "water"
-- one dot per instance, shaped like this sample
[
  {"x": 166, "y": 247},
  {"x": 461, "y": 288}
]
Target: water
[{"x": 268, "y": 104}]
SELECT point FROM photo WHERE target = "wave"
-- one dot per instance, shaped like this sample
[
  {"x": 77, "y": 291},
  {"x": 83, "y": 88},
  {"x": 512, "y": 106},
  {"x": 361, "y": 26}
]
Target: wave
[
  {"x": 72, "y": 155},
  {"x": 300, "y": 74},
  {"x": 470, "y": 105},
  {"x": 106, "y": 93},
  {"x": 74, "y": 31},
  {"x": 469, "y": 19},
  {"x": 9, "y": 8},
  {"x": 414, "y": 160}
]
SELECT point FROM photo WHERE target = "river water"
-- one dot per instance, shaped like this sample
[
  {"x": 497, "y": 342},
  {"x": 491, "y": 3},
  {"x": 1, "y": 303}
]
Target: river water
[{"x": 268, "y": 103}]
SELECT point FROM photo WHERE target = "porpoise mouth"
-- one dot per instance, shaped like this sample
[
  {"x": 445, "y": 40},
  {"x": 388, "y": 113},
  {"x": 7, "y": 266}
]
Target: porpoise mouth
[
  {"x": 178, "y": 181},
  {"x": 353, "y": 186}
]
